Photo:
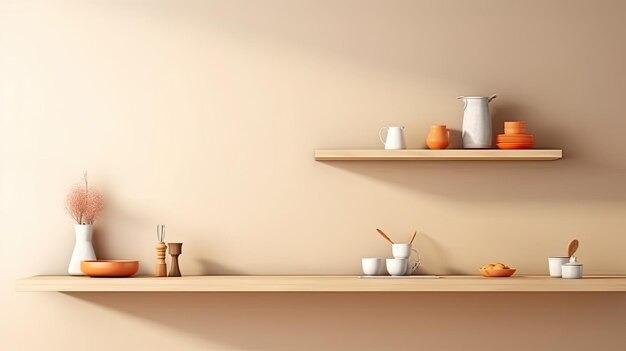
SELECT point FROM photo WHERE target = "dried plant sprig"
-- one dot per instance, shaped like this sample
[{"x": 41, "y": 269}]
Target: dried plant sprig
[{"x": 84, "y": 205}]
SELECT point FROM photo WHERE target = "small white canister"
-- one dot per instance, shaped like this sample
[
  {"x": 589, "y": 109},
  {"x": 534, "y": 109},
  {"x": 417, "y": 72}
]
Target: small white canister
[{"x": 572, "y": 269}]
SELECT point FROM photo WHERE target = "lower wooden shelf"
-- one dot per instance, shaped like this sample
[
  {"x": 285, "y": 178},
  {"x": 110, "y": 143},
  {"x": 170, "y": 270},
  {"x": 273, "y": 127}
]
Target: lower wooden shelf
[{"x": 320, "y": 284}]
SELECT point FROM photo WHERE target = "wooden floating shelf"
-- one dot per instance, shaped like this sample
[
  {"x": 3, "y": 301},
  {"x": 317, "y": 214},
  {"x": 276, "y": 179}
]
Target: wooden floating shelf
[
  {"x": 320, "y": 284},
  {"x": 439, "y": 155}
]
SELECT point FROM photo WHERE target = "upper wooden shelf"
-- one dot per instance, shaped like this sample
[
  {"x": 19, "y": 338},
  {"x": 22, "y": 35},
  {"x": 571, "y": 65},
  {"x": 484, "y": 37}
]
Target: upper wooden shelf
[
  {"x": 439, "y": 155},
  {"x": 320, "y": 284}
]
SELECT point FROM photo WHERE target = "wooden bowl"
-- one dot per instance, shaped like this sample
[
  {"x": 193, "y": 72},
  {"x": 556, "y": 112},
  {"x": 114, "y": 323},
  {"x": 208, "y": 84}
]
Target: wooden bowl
[
  {"x": 501, "y": 273},
  {"x": 109, "y": 268}
]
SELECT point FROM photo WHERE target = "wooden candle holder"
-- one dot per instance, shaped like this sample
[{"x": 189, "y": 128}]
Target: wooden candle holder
[
  {"x": 175, "y": 250},
  {"x": 161, "y": 266}
]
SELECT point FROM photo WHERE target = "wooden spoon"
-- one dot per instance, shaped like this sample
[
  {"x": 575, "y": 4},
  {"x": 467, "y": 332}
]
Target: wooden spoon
[
  {"x": 413, "y": 237},
  {"x": 572, "y": 247},
  {"x": 384, "y": 235}
]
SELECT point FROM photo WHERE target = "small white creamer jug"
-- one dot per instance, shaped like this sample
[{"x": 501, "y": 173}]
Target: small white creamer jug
[
  {"x": 476, "y": 122},
  {"x": 394, "y": 139}
]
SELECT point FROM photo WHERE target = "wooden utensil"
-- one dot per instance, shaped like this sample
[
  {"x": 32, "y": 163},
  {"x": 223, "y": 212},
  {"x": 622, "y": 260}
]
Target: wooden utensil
[
  {"x": 384, "y": 235},
  {"x": 161, "y": 266},
  {"x": 175, "y": 250},
  {"x": 413, "y": 237},
  {"x": 572, "y": 247}
]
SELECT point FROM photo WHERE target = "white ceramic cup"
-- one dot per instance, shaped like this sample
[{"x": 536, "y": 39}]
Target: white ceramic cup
[
  {"x": 555, "y": 263},
  {"x": 371, "y": 265},
  {"x": 402, "y": 250},
  {"x": 394, "y": 139},
  {"x": 397, "y": 266}
]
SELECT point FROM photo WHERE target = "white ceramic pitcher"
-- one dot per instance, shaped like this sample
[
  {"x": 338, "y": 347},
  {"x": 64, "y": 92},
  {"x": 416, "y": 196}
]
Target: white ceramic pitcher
[
  {"x": 394, "y": 139},
  {"x": 476, "y": 122}
]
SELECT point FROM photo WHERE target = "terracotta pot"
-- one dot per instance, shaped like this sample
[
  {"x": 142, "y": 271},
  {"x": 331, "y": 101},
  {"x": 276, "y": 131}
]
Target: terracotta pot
[{"x": 438, "y": 137}]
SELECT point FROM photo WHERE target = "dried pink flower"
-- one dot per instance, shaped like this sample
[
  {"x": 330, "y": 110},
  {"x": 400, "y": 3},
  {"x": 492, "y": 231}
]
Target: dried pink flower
[{"x": 83, "y": 204}]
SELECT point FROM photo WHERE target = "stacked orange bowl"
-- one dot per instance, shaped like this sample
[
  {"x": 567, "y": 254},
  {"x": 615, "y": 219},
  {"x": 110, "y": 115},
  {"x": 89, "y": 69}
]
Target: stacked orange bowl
[{"x": 515, "y": 136}]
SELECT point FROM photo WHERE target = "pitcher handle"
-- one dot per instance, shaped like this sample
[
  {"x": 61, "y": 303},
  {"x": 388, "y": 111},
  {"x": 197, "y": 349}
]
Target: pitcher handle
[
  {"x": 416, "y": 264},
  {"x": 492, "y": 97},
  {"x": 380, "y": 134},
  {"x": 464, "y": 101}
]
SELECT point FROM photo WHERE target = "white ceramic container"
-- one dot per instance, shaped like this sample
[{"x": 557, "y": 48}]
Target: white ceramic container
[
  {"x": 572, "y": 269},
  {"x": 83, "y": 248},
  {"x": 401, "y": 250},
  {"x": 555, "y": 263},
  {"x": 397, "y": 266},
  {"x": 371, "y": 265},
  {"x": 476, "y": 122}
]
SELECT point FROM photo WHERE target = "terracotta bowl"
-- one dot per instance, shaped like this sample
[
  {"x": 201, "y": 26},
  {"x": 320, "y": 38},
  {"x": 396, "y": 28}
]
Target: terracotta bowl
[
  {"x": 500, "y": 273},
  {"x": 514, "y": 131},
  {"x": 514, "y": 124},
  {"x": 109, "y": 268}
]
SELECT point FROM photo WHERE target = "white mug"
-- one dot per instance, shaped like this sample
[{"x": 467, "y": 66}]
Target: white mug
[
  {"x": 371, "y": 265},
  {"x": 555, "y": 263},
  {"x": 397, "y": 266},
  {"x": 402, "y": 250},
  {"x": 394, "y": 139}
]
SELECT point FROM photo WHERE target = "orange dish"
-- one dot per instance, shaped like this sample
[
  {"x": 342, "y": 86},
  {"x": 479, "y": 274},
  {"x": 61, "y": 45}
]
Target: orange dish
[
  {"x": 511, "y": 146},
  {"x": 515, "y": 137},
  {"x": 497, "y": 273},
  {"x": 109, "y": 268},
  {"x": 515, "y": 140}
]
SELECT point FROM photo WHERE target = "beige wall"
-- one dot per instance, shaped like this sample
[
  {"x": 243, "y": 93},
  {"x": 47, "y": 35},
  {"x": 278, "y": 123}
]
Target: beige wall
[{"x": 204, "y": 115}]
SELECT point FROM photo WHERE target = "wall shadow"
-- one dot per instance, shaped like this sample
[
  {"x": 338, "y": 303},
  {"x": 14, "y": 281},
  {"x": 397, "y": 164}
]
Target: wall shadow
[
  {"x": 376, "y": 321},
  {"x": 211, "y": 267},
  {"x": 502, "y": 181}
]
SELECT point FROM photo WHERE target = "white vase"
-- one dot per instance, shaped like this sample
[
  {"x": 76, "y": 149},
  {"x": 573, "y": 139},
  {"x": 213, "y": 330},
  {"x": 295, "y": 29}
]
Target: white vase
[
  {"x": 83, "y": 249},
  {"x": 476, "y": 122}
]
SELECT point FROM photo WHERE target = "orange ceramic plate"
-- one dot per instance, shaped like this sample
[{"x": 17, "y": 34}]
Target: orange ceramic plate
[
  {"x": 524, "y": 135},
  {"x": 109, "y": 268},
  {"x": 507, "y": 137},
  {"x": 515, "y": 141},
  {"x": 510, "y": 146},
  {"x": 499, "y": 273}
]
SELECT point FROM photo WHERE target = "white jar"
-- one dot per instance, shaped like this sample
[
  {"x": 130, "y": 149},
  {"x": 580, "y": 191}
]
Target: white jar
[{"x": 572, "y": 269}]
